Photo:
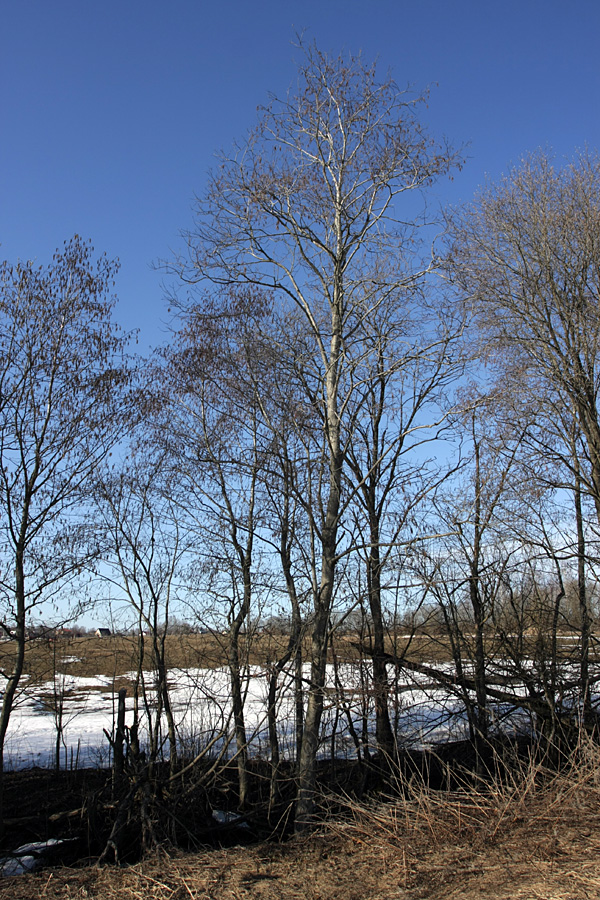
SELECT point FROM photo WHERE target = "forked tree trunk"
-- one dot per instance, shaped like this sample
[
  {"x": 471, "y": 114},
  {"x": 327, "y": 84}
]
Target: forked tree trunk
[
  {"x": 294, "y": 649},
  {"x": 235, "y": 672},
  {"x": 162, "y": 687}
]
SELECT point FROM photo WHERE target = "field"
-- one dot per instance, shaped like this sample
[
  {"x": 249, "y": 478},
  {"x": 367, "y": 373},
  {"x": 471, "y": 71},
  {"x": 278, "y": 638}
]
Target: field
[
  {"x": 115, "y": 656},
  {"x": 76, "y": 680}
]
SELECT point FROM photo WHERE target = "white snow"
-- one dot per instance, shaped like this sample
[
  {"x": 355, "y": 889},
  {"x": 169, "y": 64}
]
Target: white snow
[
  {"x": 26, "y": 858},
  {"x": 422, "y": 713}
]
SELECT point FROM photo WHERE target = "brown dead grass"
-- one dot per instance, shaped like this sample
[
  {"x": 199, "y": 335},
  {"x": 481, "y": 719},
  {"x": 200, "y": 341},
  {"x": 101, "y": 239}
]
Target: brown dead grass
[
  {"x": 114, "y": 656},
  {"x": 117, "y": 655},
  {"x": 536, "y": 837}
]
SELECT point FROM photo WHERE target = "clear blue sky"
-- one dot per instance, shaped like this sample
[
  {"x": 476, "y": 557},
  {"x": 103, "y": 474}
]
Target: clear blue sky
[{"x": 110, "y": 112}]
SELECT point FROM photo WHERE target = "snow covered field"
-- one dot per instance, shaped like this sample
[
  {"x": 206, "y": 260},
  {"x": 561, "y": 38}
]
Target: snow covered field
[{"x": 421, "y": 713}]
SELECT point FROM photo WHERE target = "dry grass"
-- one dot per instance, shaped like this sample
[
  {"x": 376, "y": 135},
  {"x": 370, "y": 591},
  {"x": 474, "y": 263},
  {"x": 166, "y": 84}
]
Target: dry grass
[
  {"x": 111, "y": 657},
  {"x": 116, "y": 655},
  {"x": 535, "y": 836}
]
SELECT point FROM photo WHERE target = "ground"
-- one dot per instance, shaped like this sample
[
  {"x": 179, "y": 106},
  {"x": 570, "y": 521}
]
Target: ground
[{"x": 535, "y": 838}]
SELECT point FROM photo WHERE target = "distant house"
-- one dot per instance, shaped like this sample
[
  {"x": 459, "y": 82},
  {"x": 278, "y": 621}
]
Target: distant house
[{"x": 102, "y": 632}]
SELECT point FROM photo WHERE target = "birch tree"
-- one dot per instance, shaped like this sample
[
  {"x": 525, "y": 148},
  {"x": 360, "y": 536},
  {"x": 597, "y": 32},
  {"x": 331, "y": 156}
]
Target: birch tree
[{"x": 212, "y": 432}]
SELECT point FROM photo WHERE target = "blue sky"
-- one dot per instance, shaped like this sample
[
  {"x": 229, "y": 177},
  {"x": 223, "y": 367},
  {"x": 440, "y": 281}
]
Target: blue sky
[{"x": 110, "y": 112}]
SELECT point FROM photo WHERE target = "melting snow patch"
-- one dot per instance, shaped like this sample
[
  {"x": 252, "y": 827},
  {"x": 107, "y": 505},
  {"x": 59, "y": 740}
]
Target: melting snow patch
[
  {"x": 27, "y": 858},
  {"x": 221, "y": 817}
]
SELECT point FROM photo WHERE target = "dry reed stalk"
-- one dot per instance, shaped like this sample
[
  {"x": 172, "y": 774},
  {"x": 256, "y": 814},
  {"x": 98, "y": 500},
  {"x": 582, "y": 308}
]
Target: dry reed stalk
[{"x": 531, "y": 792}]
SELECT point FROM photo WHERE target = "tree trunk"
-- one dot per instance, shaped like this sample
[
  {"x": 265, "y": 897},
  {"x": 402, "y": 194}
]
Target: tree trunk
[
  {"x": 235, "y": 672},
  {"x": 163, "y": 692},
  {"x": 586, "y": 622},
  {"x": 15, "y": 676},
  {"x": 294, "y": 649},
  {"x": 307, "y": 768},
  {"x": 237, "y": 704},
  {"x": 383, "y": 727},
  {"x": 119, "y": 749}
]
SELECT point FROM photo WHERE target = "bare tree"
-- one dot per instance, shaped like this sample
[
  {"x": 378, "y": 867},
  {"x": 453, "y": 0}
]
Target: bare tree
[
  {"x": 63, "y": 384},
  {"x": 410, "y": 360},
  {"x": 143, "y": 555},
  {"x": 526, "y": 256},
  {"x": 214, "y": 436},
  {"x": 287, "y": 526},
  {"x": 302, "y": 209},
  {"x": 476, "y": 523}
]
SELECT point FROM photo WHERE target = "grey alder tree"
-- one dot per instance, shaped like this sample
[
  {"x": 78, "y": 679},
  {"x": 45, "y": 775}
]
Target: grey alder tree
[
  {"x": 144, "y": 552},
  {"x": 400, "y": 409},
  {"x": 64, "y": 401},
  {"x": 212, "y": 433},
  {"x": 526, "y": 257}
]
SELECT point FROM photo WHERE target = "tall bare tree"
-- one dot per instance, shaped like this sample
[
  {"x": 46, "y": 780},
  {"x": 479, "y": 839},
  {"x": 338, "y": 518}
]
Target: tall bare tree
[{"x": 302, "y": 209}]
